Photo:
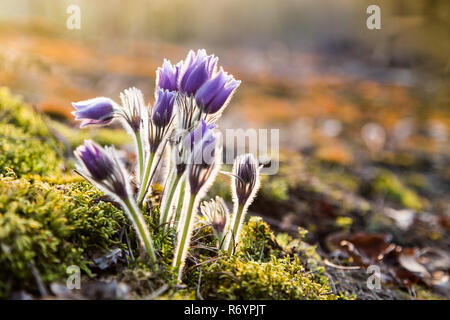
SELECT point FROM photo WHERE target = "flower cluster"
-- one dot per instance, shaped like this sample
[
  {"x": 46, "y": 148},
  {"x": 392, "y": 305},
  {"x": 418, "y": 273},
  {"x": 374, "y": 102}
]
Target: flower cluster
[{"x": 179, "y": 132}]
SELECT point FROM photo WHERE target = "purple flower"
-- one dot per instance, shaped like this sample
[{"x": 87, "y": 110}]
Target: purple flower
[
  {"x": 214, "y": 93},
  {"x": 102, "y": 167},
  {"x": 203, "y": 156},
  {"x": 245, "y": 177},
  {"x": 167, "y": 76},
  {"x": 163, "y": 109},
  {"x": 95, "y": 160},
  {"x": 94, "y": 111},
  {"x": 197, "y": 69},
  {"x": 202, "y": 132}
]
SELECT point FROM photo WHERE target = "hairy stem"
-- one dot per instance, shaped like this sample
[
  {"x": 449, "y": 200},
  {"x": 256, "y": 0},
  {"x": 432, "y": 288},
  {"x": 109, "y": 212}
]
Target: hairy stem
[
  {"x": 140, "y": 155},
  {"x": 172, "y": 187},
  {"x": 141, "y": 229},
  {"x": 184, "y": 239},
  {"x": 145, "y": 182},
  {"x": 236, "y": 224},
  {"x": 179, "y": 207}
]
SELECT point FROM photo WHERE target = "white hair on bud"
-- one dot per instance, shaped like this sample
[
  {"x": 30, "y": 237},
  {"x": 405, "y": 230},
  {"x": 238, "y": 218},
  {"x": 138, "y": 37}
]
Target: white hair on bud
[{"x": 242, "y": 201}]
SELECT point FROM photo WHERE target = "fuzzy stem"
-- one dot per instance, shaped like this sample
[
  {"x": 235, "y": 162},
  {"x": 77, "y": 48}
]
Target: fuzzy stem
[
  {"x": 180, "y": 203},
  {"x": 172, "y": 187},
  {"x": 141, "y": 229},
  {"x": 235, "y": 229},
  {"x": 140, "y": 154},
  {"x": 183, "y": 241},
  {"x": 145, "y": 181}
]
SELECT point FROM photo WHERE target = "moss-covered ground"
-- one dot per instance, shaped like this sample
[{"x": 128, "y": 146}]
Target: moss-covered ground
[{"x": 51, "y": 219}]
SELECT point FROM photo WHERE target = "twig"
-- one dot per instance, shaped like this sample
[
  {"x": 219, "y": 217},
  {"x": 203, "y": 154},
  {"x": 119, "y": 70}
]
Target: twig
[
  {"x": 199, "y": 295},
  {"x": 330, "y": 264},
  {"x": 158, "y": 292},
  {"x": 43, "y": 292}
]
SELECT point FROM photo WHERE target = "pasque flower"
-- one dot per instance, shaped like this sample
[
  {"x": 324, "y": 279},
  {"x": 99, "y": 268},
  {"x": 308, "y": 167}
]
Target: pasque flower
[
  {"x": 103, "y": 169},
  {"x": 97, "y": 111},
  {"x": 201, "y": 171},
  {"x": 167, "y": 76},
  {"x": 245, "y": 183},
  {"x": 214, "y": 94},
  {"x": 197, "y": 69}
]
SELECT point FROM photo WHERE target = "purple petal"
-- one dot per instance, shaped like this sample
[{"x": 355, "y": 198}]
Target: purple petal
[
  {"x": 209, "y": 90},
  {"x": 163, "y": 109},
  {"x": 220, "y": 99},
  {"x": 94, "y": 109},
  {"x": 168, "y": 76},
  {"x": 197, "y": 69},
  {"x": 197, "y": 77}
]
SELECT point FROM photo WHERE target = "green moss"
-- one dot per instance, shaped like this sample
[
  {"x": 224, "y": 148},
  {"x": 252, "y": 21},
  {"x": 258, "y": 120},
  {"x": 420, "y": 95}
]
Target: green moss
[
  {"x": 25, "y": 154},
  {"x": 33, "y": 229},
  {"x": 262, "y": 268},
  {"x": 236, "y": 278},
  {"x": 258, "y": 241},
  {"x": 26, "y": 145},
  {"x": 96, "y": 223},
  {"x": 389, "y": 185},
  {"x": 50, "y": 227}
]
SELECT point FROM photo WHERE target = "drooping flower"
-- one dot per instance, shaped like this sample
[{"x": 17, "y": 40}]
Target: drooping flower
[
  {"x": 214, "y": 94},
  {"x": 167, "y": 76},
  {"x": 197, "y": 69},
  {"x": 96, "y": 111},
  {"x": 163, "y": 108},
  {"x": 103, "y": 168}
]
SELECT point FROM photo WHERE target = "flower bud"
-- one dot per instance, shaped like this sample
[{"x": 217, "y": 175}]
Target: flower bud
[{"x": 97, "y": 111}]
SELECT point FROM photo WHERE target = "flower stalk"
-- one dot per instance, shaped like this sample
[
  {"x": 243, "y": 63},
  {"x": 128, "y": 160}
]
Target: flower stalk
[
  {"x": 168, "y": 198},
  {"x": 184, "y": 236},
  {"x": 146, "y": 179},
  {"x": 146, "y": 242}
]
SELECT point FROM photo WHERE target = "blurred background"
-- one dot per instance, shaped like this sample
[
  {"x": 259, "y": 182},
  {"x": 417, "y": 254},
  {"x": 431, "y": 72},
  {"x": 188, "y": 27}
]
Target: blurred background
[{"x": 364, "y": 115}]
